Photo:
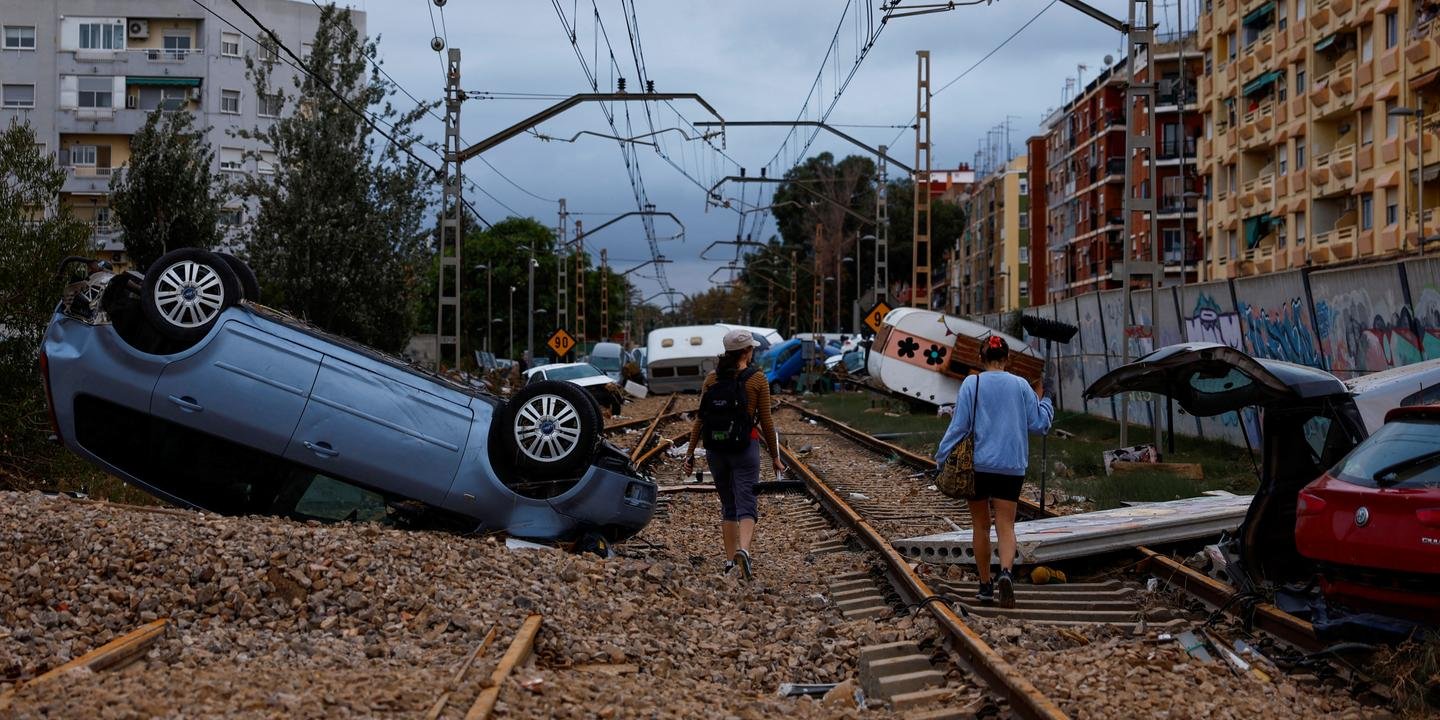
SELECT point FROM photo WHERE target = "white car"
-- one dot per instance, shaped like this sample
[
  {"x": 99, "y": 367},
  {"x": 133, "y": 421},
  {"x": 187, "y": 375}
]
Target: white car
[{"x": 587, "y": 376}]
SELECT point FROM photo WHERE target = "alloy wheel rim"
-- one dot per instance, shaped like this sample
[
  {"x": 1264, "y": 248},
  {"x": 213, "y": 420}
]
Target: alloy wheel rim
[
  {"x": 189, "y": 294},
  {"x": 547, "y": 428}
]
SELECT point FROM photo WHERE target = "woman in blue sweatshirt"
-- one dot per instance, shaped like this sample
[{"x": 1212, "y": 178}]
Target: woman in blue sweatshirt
[{"x": 1007, "y": 408}]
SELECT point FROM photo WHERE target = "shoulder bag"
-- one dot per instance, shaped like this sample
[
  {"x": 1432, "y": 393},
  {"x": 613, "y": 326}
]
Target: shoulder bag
[{"x": 957, "y": 475}]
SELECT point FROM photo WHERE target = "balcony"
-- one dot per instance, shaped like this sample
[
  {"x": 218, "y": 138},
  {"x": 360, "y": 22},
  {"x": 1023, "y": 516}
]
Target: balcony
[
  {"x": 1421, "y": 49},
  {"x": 1320, "y": 14},
  {"x": 88, "y": 179},
  {"x": 1334, "y": 92},
  {"x": 1432, "y": 227},
  {"x": 153, "y": 61},
  {"x": 1342, "y": 162},
  {"x": 1172, "y": 149},
  {"x": 1256, "y": 125},
  {"x": 1260, "y": 189},
  {"x": 1335, "y": 245}
]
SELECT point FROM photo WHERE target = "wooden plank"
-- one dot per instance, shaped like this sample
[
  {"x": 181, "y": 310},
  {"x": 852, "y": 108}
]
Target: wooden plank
[
  {"x": 1191, "y": 471},
  {"x": 444, "y": 698},
  {"x": 115, "y": 654},
  {"x": 519, "y": 650}
]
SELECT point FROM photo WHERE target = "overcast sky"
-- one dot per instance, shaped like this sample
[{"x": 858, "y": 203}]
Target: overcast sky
[{"x": 751, "y": 60}]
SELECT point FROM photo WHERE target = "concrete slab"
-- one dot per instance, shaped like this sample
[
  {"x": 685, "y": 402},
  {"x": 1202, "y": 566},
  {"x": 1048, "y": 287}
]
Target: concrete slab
[{"x": 1071, "y": 536}]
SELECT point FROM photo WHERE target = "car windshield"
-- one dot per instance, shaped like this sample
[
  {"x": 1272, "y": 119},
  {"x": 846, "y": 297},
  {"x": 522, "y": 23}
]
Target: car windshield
[
  {"x": 1400, "y": 454},
  {"x": 606, "y": 364},
  {"x": 574, "y": 372}
]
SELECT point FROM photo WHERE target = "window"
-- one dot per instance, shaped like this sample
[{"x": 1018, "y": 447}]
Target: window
[
  {"x": 1024, "y": 186},
  {"x": 1230, "y": 241},
  {"x": 177, "y": 46},
  {"x": 1367, "y": 43},
  {"x": 230, "y": 44},
  {"x": 96, "y": 92},
  {"x": 326, "y": 498},
  {"x": 1299, "y": 9},
  {"x": 230, "y": 102},
  {"x": 102, "y": 36},
  {"x": 232, "y": 159},
  {"x": 1171, "y": 240},
  {"x": 1392, "y": 121},
  {"x": 1392, "y": 30},
  {"x": 305, "y": 49},
  {"x": 1367, "y": 126},
  {"x": 1281, "y": 159},
  {"x": 1024, "y": 220},
  {"x": 1299, "y": 80},
  {"x": 1299, "y": 154},
  {"x": 266, "y": 165},
  {"x": 1024, "y": 288},
  {"x": 1025, "y": 254},
  {"x": 1232, "y": 43},
  {"x": 269, "y": 52},
  {"x": 82, "y": 155},
  {"x": 1280, "y": 234},
  {"x": 1392, "y": 209},
  {"x": 19, "y": 37},
  {"x": 1300, "y": 227},
  {"x": 1400, "y": 454},
  {"x": 269, "y": 105},
  {"x": 1280, "y": 15},
  {"x": 231, "y": 217},
  {"x": 1367, "y": 211},
  {"x": 19, "y": 96}
]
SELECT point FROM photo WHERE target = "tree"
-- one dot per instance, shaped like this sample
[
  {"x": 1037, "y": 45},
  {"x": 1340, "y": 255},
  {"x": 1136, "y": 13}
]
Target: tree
[
  {"x": 37, "y": 234},
  {"x": 339, "y": 237},
  {"x": 167, "y": 197},
  {"x": 718, "y": 304}
]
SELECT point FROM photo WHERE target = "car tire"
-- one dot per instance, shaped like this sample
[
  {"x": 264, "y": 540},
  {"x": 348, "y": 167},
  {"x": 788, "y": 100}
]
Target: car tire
[
  {"x": 185, "y": 292},
  {"x": 249, "y": 284},
  {"x": 551, "y": 429}
]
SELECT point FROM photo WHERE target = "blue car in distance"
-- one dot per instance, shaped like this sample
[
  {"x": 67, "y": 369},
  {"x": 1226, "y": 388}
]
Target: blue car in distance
[
  {"x": 786, "y": 361},
  {"x": 179, "y": 382}
]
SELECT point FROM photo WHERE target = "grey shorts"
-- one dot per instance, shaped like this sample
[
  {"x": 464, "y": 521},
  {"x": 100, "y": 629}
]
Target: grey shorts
[{"x": 735, "y": 478}]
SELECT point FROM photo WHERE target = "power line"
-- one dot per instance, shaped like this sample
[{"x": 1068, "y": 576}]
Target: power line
[
  {"x": 977, "y": 64},
  {"x": 299, "y": 65}
]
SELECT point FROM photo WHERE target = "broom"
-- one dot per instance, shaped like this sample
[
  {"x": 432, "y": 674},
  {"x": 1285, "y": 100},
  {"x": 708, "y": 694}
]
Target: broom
[{"x": 1047, "y": 330}]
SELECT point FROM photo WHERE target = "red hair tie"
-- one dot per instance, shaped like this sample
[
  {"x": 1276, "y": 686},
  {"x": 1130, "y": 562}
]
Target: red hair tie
[{"x": 996, "y": 341}]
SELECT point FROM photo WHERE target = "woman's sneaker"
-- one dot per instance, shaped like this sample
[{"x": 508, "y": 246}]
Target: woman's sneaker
[
  {"x": 729, "y": 565},
  {"x": 986, "y": 595},
  {"x": 1006, "y": 585},
  {"x": 742, "y": 559}
]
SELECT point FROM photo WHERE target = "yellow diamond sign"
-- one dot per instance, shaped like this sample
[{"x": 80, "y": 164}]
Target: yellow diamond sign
[
  {"x": 561, "y": 343},
  {"x": 877, "y": 315}
]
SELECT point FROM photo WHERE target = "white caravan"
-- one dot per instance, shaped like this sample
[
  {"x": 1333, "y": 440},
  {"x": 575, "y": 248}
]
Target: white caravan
[{"x": 678, "y": 358}]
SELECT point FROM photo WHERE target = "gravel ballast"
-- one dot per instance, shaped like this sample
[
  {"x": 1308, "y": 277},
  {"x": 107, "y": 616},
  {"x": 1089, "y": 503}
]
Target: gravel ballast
[{"x": 279, "y": 618}]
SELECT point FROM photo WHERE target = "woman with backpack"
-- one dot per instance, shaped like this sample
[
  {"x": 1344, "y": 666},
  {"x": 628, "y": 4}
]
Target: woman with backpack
[
  {"x": 733, "y": 421},
  {"x": 1000, "y": 409}
]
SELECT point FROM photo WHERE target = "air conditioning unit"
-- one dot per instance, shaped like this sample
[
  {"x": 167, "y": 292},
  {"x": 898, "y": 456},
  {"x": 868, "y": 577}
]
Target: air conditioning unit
[
  {"x": 138, "y": 29},
  {"x": 195, "y": 94},
  {"x": 132, "y": 101}
]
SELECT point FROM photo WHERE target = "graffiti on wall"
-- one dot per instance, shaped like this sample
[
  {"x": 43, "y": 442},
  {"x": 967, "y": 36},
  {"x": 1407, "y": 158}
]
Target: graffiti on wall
[
  {"x": 1210, "y": 323},
  {"x": 1361, "y": 338},
  {"x": 1427, "y": 314},
  {"x": 1281, "y": 333}
]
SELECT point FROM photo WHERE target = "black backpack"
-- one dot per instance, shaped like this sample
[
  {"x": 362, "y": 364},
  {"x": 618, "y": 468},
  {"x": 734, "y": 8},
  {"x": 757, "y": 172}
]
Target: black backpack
[{"x": 725, "y": 422}]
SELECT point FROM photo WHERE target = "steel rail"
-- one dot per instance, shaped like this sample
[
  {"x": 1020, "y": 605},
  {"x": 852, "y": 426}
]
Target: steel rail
[
  {"x": 1024, "y": 699},
  {"x": 914, "y": 459},
  {"x": 650, "y": 431}
]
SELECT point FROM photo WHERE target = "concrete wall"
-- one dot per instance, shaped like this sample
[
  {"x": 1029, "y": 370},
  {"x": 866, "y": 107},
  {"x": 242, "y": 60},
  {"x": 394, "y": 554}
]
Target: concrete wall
[{"x": 1351, "y": 321}]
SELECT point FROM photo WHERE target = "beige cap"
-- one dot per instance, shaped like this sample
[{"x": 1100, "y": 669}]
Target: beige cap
[{"x": 739, "y": 340}]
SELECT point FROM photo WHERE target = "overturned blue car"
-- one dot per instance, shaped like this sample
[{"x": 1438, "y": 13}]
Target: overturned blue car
[{"x": 179, "y": 382}]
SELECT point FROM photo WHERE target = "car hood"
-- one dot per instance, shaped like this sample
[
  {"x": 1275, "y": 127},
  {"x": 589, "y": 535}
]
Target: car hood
[
  {"x": 1209, "y": 379},
  {"x": 590, "y": 381}
]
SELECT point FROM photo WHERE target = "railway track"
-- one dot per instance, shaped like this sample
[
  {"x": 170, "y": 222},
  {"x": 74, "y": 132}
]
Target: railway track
[{"x": 874, "y": 493}]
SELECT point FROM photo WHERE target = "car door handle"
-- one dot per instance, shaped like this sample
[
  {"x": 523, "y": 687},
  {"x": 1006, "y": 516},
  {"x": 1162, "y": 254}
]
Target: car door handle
[
  {"x": 187, "y": 403},
  {"x": 322, "y": 449}
]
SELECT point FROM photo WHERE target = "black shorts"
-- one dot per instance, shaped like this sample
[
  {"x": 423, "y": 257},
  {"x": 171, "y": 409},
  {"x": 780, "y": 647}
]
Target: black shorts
[
  {"x": 997, "y": 486},
  {"x": 735, "y": 477}
]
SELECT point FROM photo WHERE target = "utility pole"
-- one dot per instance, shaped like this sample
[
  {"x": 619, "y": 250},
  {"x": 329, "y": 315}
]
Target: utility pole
[
  {"x": 794, "y": 303},
  {"x": 604, "y": 296},
  {"x": 920, "y": 245},
  {"x": 452, "y": 220},
  {"x": 530, "y": 306},
  {"x": 579, "y": 288},
  {"x": 817, "y": 314},
  {"x": 562, "y": 301},
  {"x": 1140, "y": 40},
  {"x": 882, "y": 233}
]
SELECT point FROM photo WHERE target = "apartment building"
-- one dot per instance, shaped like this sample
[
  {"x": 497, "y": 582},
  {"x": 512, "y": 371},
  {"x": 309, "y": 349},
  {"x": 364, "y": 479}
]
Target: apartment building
[
  {"x": 1311, "y": 149},
  {"x": 1085, "y": 186},
  {"x": 1037, "y": 166},
  {"x": 1176, "y": 64},
  {"x": 993, "y": 257},
  {"x": 86, "y": 73}
]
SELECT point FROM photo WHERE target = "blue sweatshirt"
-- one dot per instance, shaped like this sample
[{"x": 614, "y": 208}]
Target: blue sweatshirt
[{"x": 1008, "y": 409}]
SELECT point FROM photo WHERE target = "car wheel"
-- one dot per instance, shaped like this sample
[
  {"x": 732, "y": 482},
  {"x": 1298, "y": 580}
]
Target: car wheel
[
  {"x": 249, "y": 284},
  {"x": 552, "y": 428},
  {"x": 185, "y": 291}
]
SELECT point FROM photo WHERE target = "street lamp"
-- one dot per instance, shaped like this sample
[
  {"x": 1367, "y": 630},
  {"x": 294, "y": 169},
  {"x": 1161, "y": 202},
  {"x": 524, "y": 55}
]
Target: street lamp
[
  {"x": 488, "y": 272},
  {"x": 511, "y": 322},
  {"x": 1417, "y": 112}
]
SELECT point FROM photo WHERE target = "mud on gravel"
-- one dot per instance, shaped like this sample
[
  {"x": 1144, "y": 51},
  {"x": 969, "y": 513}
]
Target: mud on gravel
[{"x": 279, "y": 618}]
